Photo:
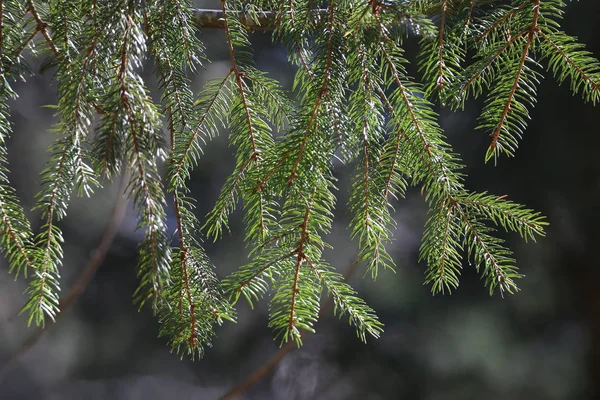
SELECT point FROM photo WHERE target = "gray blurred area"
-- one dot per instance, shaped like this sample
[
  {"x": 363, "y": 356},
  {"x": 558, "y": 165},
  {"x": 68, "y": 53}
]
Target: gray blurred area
[{"x": 543, "y": 343}]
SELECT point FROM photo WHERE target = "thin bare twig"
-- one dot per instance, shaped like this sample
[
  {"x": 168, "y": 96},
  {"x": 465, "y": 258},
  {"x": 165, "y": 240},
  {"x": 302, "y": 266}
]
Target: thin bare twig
[
  {"x": 258, "y": 374},
  {"x": 89, "y": 270}
]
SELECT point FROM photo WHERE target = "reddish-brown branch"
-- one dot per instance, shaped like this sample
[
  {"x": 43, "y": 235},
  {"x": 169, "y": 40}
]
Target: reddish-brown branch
[
  {"x": 488, "y": 254},
  {"x": 507, "y": 106},
  {"x": 295, "y": 290},
  {"x": 500, "y": 21},
  {"x": 324, "y": 89},
  {"x": 470, "y": 13},
  {"x": 184, "y": 272},
  {"x": 263, "y": 269},
  {"x": 196, "y": 131},
  {"x": 299, "y": 260},
  {"x": 261, "y": 184},
  {"x": 238, "y": 79},
  {"x": 182, "y": 248},
  {"x": 559, "y": 50},
  {"x": 268, "y": 366},
  {"x": 42, "y": 26},
  {"x": 490, "y": 61}
]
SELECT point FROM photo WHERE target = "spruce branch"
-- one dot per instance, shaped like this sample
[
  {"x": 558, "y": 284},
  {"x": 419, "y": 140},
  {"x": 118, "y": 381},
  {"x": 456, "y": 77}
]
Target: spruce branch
[
  {"x": 319, "y": 99},
  {"x": 192, "y": 302},
  {"x": 258, "y": 374},
  {"x": 242, "y": 90},
  {"x": 510, "y": 104},
  {"x": 145, "y": 148},
  {"x": 352, "y": 102},
  {"x": 504, "y": 15},
  {"x": 88, "y": 271},
  {"x": 213, "y": 105},
  {"x": 441, "y": 80},
  {"x": 567, "y": 59}
]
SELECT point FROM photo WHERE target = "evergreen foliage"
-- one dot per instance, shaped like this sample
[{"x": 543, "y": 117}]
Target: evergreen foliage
[{"x": 353, "y": 101}]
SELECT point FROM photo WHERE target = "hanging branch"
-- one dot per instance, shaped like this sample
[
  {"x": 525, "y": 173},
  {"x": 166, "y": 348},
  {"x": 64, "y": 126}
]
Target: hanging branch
[
  {"x": 272, "y": 362},
  {"x": 87, "y": 273},
  {"x": 354, "y": 103}
]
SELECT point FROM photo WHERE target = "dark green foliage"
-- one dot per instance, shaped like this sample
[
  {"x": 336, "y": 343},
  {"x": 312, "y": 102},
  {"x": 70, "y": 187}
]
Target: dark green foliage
[{"x": 353, "y": 103}]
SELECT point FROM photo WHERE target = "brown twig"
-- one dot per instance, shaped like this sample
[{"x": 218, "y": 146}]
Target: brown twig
[
  {"x": 96, "y": 258},
  {"x": 272, "y": 362},
  {"x": 43, "y": 28}
]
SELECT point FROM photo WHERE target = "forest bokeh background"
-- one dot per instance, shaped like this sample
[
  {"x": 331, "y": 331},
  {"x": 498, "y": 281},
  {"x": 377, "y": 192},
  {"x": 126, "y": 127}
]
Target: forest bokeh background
[{"x": 542, "y": 343}]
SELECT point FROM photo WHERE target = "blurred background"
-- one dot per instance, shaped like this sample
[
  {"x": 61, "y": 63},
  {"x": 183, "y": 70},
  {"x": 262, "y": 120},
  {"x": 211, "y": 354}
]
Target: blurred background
[{"x": 542, "y": 343}]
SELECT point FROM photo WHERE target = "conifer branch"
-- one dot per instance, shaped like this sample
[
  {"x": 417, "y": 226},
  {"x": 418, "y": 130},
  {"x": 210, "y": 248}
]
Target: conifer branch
[
  {"x": 240, "y": 84},
  {"x": 88, "y": 272},
  {"x": 500, "y": 21},
  {"x": 509, "y": 101},
  {"x": 239, "y": 288},
  {"x": 183, "y": 155},
  {"x": 145, "y": 185},
  {"x": 579, "y": 64},
  {"x": 322, "y": 92},
  {"x": 19, "y": 51},
  {"x": 257, "y": 375},
  {"x": 191, "y": 301},
  {"x": 488, "y": 63},
  {"x": 355, "y": 104},
  {"x": 52, "y": 200},
  {"x": 469, "y": 17},
  {"x": 19, "y": 239},
  {"x": 441, "y": 79},
  {"x": 502, "y": 278},
  {"x": 16, "y": 241},
  {"x": 300, "y": 258}
]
